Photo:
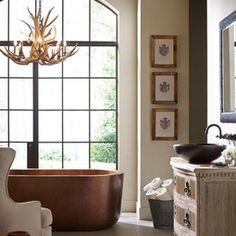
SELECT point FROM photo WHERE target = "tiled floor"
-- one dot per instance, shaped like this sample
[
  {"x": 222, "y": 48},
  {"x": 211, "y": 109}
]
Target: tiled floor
[{"x": 128, "y": 225}]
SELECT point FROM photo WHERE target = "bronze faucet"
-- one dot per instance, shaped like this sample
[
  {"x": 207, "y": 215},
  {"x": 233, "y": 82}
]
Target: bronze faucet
[
  {"x": 230, "y": 137},
  {"x": 220, "y": 131}
]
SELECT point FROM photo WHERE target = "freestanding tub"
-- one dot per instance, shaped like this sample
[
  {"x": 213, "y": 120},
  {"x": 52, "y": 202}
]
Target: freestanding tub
[{"x": 79, "y": 199}]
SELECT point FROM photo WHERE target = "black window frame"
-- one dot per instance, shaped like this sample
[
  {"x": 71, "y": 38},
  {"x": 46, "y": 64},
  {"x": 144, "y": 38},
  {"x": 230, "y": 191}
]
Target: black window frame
[{"x": 33, "y": 147}]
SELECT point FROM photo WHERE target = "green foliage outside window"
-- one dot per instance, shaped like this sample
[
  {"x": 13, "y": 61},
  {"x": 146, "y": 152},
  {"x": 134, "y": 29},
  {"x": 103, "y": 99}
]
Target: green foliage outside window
[
  {"x": 53, "y": 155},
  {"x": 106, "y": 152}
]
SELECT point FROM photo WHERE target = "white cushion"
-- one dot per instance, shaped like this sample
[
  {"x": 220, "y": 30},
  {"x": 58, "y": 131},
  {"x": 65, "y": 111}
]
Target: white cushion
[{"x": 46, "y": 217}]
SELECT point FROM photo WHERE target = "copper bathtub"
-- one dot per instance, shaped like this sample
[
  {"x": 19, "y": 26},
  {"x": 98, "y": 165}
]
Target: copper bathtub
[{"x": 80, "y": 200}]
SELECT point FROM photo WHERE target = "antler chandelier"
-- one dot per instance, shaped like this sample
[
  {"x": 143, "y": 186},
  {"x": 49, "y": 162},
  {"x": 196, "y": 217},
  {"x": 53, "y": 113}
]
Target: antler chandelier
[{"x": 41, "y": 38}]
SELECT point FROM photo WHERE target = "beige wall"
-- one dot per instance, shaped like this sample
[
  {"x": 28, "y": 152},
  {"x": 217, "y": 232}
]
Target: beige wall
[
  {"x": 155, "y": 17},
  {"x": 217, "y": 10},
  {"x": 127, "y": 10},
  {"x": 164, "y": 17}
]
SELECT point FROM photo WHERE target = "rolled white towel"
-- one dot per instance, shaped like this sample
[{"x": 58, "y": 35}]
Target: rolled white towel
[
  {"x": 169, "y": 185},
  {"x": 159, "y": 194},
  {"x": 151, "y": 194},
  {"x": 147, "y": 187},
  {"x": 163, "y": 194},
  {"x": 156, "y": 183}
]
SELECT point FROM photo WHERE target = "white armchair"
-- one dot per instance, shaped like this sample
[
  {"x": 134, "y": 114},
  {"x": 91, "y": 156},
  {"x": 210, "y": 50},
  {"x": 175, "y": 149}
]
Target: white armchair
[{"x": 25, "y": 216}]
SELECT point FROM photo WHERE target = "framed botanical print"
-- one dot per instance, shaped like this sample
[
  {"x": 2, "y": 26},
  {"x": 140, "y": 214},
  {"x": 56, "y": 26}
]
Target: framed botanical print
[
  {"x": 164, "y": 123},
  {"x": 164, "y": 51},
  {"x": 164, "y": 88}
]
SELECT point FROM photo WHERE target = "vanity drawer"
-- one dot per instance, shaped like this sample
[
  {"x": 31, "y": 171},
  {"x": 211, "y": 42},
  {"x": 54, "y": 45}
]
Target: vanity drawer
[
  {"x": 185, "y": 185},
  {"x": 185, "y": 217}
]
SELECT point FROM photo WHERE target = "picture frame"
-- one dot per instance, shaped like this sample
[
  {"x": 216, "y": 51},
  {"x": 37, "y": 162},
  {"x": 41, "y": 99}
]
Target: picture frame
[
  {"x": 164, "y": 86},
  {"x": 164, "y": 51},
  {"x": 164, "y": 123}
]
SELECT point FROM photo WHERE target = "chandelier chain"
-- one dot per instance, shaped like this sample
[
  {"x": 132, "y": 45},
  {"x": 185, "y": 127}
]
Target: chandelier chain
[{"x": 40, "y": 12}]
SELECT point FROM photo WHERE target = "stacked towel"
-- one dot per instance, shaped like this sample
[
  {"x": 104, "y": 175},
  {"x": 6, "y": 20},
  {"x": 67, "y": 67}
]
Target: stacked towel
[
  {"x": 160, "y": 190},
  {"x": 154, "y": 184},
  {"x": 169, "y": 185}
]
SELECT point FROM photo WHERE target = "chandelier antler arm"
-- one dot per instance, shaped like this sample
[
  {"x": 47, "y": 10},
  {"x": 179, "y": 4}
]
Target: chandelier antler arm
[
  {"x": 48, "y": 33},
  {"x": 51, "y": 22},
  {"x": 35, "y": 19},
  {"x": 10, "y": 54},
  {"x": 37, "y": 26},
  {"x": 5, "y": 54},
  {"x": 13, "y": 57},
  {"x": 53, "y": 38},
  {"x": 73, "y": 51},
  {"x": 45, "y": 23},
  {"x": 53, "y": 61},
  {"x": 29, "y": 26}
]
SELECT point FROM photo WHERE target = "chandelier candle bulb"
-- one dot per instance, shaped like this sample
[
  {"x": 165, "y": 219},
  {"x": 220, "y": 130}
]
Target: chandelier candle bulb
[
  {"x": 64, "y": 48},
  {"x": 15, "y": 44},
  {"x": 58, "y": 50},
  {"x": 21, "y": 53}
]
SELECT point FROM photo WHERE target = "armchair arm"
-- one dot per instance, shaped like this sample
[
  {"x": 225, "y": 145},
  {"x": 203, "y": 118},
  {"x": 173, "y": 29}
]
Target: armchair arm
[{"x": 24, "y": 216}]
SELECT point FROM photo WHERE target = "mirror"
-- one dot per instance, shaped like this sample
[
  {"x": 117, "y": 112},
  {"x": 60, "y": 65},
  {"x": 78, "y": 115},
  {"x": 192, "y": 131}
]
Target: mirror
[{"x": 228, "y": 68}]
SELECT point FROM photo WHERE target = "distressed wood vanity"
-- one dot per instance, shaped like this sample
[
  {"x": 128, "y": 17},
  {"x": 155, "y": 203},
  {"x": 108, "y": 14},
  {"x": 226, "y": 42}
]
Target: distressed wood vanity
[{"x": 204, "y": 199}]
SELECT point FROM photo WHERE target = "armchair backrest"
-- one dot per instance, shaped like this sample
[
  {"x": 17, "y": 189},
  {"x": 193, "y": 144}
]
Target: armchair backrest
[
  {"x": 7, "y": 156},
  {"x": 14, "y": 216}
]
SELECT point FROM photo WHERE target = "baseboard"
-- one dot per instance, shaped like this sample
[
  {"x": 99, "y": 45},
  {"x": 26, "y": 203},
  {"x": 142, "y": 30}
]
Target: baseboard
[{"x": 144, "y": 213}]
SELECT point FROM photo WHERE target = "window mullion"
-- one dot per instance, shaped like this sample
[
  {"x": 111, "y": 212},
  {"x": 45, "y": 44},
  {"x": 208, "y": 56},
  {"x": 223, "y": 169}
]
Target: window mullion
[
  {"x": 89, "y": 58},
  {"x": 33, "y": 148}
]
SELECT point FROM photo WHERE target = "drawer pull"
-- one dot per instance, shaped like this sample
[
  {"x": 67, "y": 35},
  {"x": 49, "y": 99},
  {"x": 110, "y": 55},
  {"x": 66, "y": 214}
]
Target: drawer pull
[
  {"x": 187, "y": 220},
  {"x": 187, "y": 189}
]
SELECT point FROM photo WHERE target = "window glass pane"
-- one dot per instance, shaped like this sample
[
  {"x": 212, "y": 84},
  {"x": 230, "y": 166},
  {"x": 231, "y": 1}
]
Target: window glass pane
[
  {"x": 21, "y": 93},
  {"x": 76, "y": 155},
  {"x": 50, "y": 126},
  {"x": 18, "y": 12},
  {"x": 103, "y": 156},
  {"x": 103, "y": 25},
  {"x": 76, "y": 126},
  {"x": 3, "y": 126},
  {"x": 77, "y": 65},
  {"x": 85, "y": 81},
  {"x": 76, "y": 20},
  {"x": 3, "y": 63},
  {"x": 50, "y": 71},
  {"x": 103, "y": 61},
  {"x": 20, "y": 161},
  {"x": 3, "y": 145},
  {"x": 103, "y": 126},
  {"x": 21, "y": 126},
  {"x": 3, "y": 20},
  {"x": 3, "y": 93},
  {"x": 19, "y": 70},
  {"x": 50, "y": 156},
  {"x": 103, "y": 94},
  {"x": 46, "y": 99},
  {"x": 76, "y": 93}
]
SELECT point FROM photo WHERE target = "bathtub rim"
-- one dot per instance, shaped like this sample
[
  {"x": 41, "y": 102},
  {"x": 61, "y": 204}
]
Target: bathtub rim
[{"x": 32, "y": 172}]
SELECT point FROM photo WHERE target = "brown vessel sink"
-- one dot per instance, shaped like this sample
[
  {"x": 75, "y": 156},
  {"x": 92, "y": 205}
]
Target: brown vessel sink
[{"x": 199, "y": 153}]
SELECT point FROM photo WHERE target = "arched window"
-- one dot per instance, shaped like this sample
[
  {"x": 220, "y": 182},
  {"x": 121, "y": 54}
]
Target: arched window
[{"x": 65, "y": 115}]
